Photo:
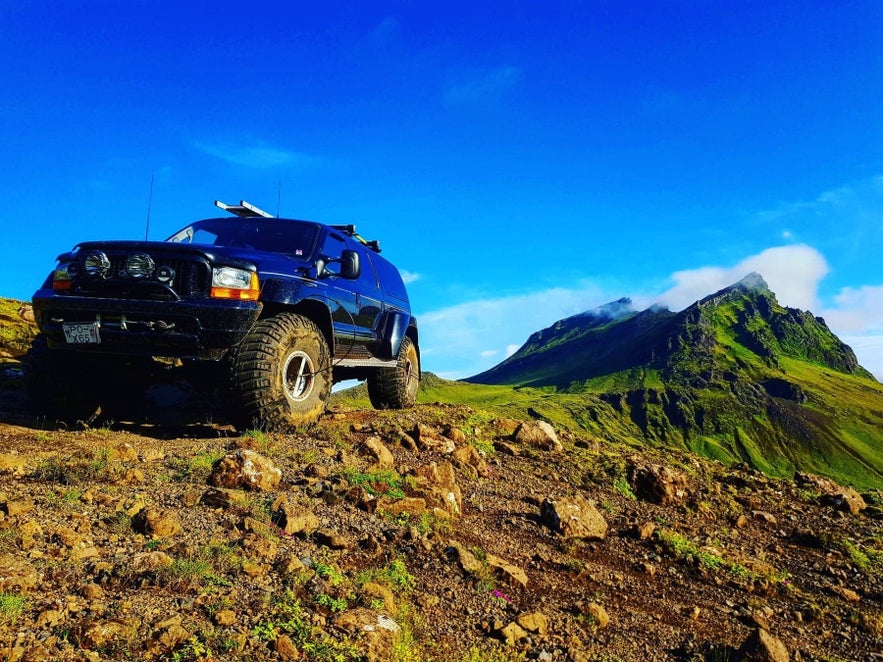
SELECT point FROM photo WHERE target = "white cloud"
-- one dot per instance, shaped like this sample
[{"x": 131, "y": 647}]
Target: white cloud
[
  {"x": 511, "y": 349},
  {"x": 409, "y": 276},
  {"x": 256, "y": 156},
  {"x": 489, "y": 353},
  {"x": 792, "y": 272}
]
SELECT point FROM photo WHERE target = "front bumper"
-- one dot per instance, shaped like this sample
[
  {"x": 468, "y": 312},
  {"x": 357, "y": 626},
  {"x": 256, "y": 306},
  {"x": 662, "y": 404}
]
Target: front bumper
[{"x": 201, "y": 328}]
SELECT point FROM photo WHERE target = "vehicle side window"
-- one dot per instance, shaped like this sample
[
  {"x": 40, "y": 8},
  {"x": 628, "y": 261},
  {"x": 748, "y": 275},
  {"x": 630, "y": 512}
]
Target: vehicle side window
[{"x": 332, "y": 249}]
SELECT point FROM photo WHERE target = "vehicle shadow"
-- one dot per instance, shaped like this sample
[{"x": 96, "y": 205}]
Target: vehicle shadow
[{"x": 168, "y": 411}]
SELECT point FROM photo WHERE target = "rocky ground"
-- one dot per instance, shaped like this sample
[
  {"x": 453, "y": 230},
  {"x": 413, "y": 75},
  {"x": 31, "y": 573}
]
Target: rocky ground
[{"x": 431, "y": 534}]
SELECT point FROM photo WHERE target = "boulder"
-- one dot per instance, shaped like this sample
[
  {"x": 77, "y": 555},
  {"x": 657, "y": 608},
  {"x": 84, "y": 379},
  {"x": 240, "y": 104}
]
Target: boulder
[
  {"x": 157, "y": 523},
  {"x": 839, "y": 497},
  {"x": 538, "y": 434},
  {"x": 382, "y": 455},
  {"x": 573, "y": 517},
  {"x": 247, "y": 470},
  {"x": 293, "y": 518},
  {"x": 761, "y": 646},
  {"x": 436, "y": 483},
  {"x": 657, "y": 483}
]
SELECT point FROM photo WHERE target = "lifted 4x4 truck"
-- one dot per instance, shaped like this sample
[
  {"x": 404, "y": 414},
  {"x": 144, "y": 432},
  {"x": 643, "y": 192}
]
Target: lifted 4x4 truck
[{"x": 275, "y": 309}]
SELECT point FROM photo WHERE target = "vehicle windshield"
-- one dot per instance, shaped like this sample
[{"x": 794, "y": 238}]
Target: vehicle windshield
[{"x": 295, "y": 238}]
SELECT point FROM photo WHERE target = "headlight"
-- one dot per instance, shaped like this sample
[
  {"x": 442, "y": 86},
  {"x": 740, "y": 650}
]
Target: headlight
[
  {"x": 139, "y": 265},
  {"x": 96, "y": 264},
  {"x": 232, "y": 283}
]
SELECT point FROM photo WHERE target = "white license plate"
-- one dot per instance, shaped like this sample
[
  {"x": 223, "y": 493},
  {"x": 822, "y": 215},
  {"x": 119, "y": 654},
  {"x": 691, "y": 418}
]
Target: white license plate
[{"x": 84, "y": 333}]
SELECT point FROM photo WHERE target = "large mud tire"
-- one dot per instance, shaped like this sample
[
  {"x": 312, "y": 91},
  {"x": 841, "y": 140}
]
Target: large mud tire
[
  {"x": 61, "y": 386},
  {"x": 396, "y": 388},
  {"x": 281, "y": 374}
]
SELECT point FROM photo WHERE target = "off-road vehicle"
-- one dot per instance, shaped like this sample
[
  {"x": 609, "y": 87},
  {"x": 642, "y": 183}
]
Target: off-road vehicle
[{"x": 276, "y": 309}]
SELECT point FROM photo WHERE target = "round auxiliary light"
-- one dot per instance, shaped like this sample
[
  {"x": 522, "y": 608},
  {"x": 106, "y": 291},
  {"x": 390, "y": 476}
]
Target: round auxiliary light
[
  {"x": 165, "y": 274},
  {"x": 139, "y": 265},
  {"x": 96, "y": 264}
]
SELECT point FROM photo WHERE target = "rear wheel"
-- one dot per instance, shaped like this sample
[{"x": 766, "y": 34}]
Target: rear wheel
[
  {"x": 396, "y": 388},
  {"x": 61, "y": 385},
  {"x": 281, "y": 374}
]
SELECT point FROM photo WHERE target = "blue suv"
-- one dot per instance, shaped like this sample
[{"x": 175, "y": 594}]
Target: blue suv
[{"x": 275, "y": 309}]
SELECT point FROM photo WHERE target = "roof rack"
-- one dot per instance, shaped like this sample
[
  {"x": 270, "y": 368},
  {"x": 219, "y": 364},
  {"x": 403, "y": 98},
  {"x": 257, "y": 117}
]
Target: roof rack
[
  {"x": 350, "y": 231},
  {"x": 243, "y": 209}
]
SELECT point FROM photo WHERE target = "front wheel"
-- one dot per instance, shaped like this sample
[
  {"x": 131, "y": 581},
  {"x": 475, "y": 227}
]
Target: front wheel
[
  {"x": 281, "y": 374},
  {"x": 396, "y": 388}
]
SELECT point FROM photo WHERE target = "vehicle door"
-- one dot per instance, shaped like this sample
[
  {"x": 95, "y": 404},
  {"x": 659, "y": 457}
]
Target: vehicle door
[
  {"x": 369, "y": 297},
  {"x": 340, "y": 296}
]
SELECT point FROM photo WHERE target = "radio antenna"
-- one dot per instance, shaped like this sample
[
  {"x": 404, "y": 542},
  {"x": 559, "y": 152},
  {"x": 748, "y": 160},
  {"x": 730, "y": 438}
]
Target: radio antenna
[
  {"x": 278, "y": 198},
  {"x": 149, "y": 202}
]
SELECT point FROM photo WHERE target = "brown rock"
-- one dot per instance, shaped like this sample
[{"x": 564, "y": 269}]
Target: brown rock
[
  {"x": 93, "y": 634},
  {"x": 573, "y": 517},
  {"x": 332, "y": 539},
  {"x": 157, "y": 523},
  {"x": 376, "y": 632},
  {"x": 92, "y": 592},
  {"x": 216, "y": 497},
  {"x": 382, "y": 455},
  {"x": 512, "y": 633},
  {"x": 598, "y": 612},
  {"x": 285, "y": 648},
  {"x": 469, "y": 456},
  {"x": 645, "y": 531},
  {"x": 17, "y": 507},
  {"x": 847, "y": 594},
  {"x": 415, "y": 506},
  {"x": 293, "y": 518},
  {"x": 538, "y": 434},
  {"x": 225, "y": 617},
  {"x": 437, "y": 485},
  {"x": 455, "y": 434},
  {"x": 657, "y": 483},
  {"x": 841, "y": 498},
  {"x": 534, "y": 622},
  {"x": 17, "y": 574},
  {"x": 247, "y": 470},
  {"x": 375, "y": 591},
  {"x": 761, "y": 646}
]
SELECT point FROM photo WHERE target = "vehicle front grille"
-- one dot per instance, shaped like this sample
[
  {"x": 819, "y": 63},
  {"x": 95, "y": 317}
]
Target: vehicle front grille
[{"x": 191, "y": 279}]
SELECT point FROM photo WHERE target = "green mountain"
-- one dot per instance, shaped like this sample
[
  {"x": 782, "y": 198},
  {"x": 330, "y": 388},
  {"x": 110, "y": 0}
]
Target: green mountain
[{"x": 735, "y": 376}]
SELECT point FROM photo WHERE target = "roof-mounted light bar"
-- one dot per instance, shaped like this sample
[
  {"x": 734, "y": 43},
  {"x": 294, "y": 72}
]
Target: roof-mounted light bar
[{"x": 243, "y": 209}]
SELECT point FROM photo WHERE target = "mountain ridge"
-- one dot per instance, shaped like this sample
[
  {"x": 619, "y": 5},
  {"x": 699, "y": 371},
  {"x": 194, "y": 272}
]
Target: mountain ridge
[{"x": 734, "y": 376}]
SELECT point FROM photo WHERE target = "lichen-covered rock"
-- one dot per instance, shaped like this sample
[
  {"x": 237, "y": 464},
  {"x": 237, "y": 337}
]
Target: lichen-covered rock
[{"x": 247, "y": 470}]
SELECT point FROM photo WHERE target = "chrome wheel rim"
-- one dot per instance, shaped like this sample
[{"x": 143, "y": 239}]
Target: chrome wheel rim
[{"x": 299, "y": 376}]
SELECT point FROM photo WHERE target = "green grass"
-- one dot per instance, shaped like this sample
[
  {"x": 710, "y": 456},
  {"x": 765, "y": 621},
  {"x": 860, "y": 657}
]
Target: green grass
[{"x": 11, "y": 607}]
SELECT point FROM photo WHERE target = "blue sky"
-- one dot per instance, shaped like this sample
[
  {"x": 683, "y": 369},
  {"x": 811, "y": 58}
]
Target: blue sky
[{"x": 522, "y": 162}]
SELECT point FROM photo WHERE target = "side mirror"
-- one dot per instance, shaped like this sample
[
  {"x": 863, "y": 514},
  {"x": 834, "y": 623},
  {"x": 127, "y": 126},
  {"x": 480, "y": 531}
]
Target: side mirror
[{"x": 350, "y": 267}]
